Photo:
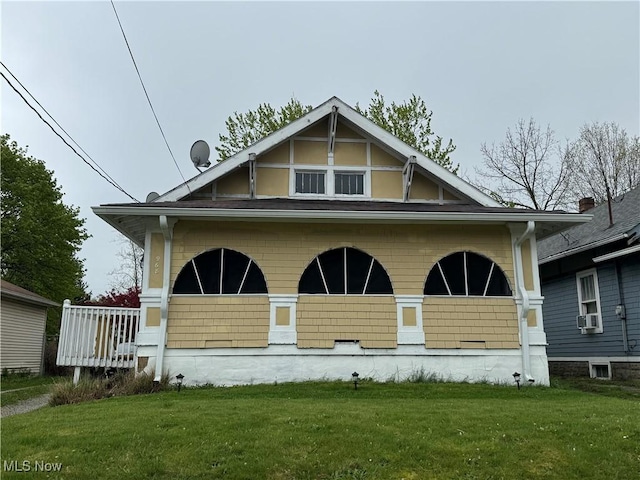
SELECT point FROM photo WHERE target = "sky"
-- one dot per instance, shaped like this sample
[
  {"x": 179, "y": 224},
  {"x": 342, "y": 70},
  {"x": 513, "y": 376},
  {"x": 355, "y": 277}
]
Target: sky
[{"x": 479, "y": 66}]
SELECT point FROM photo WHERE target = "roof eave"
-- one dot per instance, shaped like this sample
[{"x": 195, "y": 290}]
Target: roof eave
[{"x": 582, "y": 248}]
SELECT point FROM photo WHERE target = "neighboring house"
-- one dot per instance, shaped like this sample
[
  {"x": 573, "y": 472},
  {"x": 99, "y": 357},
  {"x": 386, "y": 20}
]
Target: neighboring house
[
  {"x": 329, "y": 247},
  {"x": 23, "y": 320},
  {"x": 590, "y": 277}
]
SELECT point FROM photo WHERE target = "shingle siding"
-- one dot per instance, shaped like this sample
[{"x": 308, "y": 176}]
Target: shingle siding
[
  {"x": 561, "y": 308},
  {"x": 630, "y": 274}
]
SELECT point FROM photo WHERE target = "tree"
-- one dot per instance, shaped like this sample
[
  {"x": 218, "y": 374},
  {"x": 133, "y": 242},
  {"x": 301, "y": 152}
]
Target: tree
[
  {"x": 409, "y": 121},
  {"x": 244, "y": 129},
  {"x": 129, "y": 272},
  {"x": 127, "y": 298},
  {"x": 41, "y": 236},
  {"x": 604, "y": 162},
  {"x": 529, "y": 169}
]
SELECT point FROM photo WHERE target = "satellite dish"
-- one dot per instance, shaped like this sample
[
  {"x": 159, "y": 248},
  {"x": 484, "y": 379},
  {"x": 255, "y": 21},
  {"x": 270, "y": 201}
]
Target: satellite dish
[
  {"x": 152, "y": 196},
  {"x": 200, "y": 154}
]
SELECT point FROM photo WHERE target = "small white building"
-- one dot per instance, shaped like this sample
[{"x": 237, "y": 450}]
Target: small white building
[{"x": 23, "y": 320}]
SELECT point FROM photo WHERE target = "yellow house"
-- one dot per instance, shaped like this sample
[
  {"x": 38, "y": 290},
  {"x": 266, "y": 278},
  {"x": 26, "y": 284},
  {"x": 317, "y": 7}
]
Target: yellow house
[{"x": 329, "y": 247}]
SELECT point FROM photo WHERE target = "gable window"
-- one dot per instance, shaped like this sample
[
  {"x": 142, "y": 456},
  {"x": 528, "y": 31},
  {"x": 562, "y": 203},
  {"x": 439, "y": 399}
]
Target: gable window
[
  {"x": 349, "y": 183},
  {"x": 467, "y": 274},
  {"x": 345, "y": 271},
  {"x": 220, "y": 272},
  {"x": 589, "y": 298},
  {"x": 310, "y": 182}
]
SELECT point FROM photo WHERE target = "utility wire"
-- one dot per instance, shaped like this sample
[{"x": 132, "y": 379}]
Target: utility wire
[
  {"x": 147, "y": 95},
  {"x": 109, "y": 177},
  {"x": 65, "y": 141}
]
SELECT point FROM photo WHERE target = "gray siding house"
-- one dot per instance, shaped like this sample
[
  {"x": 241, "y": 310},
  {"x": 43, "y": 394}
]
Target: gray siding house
[
  {"x": 590, "y": 280},
  {"x": 23, "y": 319}
]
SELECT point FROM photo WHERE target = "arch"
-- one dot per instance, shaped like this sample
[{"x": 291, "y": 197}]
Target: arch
[
  {"x": 467, "y": 273},
  {"x": 345, "y": 271},
  {"x": 221, "y": 271}
]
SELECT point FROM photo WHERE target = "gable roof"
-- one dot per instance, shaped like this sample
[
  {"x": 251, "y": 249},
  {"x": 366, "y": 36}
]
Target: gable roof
[
  {"x": 14, "y": 292},
  {"x": 598, "y": 232},
  {"x": 352, "y": 118}
]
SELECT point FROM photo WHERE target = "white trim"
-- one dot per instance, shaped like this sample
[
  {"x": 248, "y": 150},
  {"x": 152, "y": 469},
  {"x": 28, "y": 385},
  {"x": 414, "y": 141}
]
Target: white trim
[
  {"x": 410, "y": 335},
  {"x": 583, "y": 274},
  {"x": 618, "y": 254},
  {"x": 317, "y": 114},
  {"x": 282, "y": 334},
  {"x": 402, "y": 216}
]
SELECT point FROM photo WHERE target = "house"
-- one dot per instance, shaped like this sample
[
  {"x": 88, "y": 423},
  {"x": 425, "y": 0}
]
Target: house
[
  {"x": 23, "y": 320},
  {"x": 590, "y": 279},
  {"x": 329, "y": 247}
]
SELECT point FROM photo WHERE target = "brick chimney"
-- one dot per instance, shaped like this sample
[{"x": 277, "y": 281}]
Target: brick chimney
[{"x": 585, "y": 204}]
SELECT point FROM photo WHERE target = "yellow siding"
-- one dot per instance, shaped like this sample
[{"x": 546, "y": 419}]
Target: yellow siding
[
  {"x": 236, "y": 183},
  {"x": 283, "y": 316},
  {"x": 218, "y": 321},
  {"x": 272, "y": 181},
  {"x": 283, "y": 250},
  {"x": 385, "y": 184},
  {"x": 310, "y": 153},
  {"x": 381, "y": 158},
  {"x": 323, "y": 319},
  {"x": 142, "y": 363},
  {"x": 409, "y": 318},
  {"x": 157, "y": 261},
  {"x": 471, "y": 322},
  {"x": 153, "y": 317},
  {"x": 350, "y": 154},
  {"x": 319, "y": 130},
  {"x": 342, "y": 131},
  {"x": 447, "y": 195},
  {"x": 526, "y": 265},
  {"x": 280, "y": 154},
  {"x": 532, "y": 319},
  {"x": 424, "y": 189}
]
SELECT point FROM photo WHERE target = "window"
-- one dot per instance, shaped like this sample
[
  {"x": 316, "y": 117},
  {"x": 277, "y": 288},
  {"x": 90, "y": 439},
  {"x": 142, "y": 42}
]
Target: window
[
  {"x": 467, "y": 274},
  {"x": 349, "y": 183},
  {"x": 310, "y": 182},
  {"x": 220, "y": 272},
  {"x": 600, "y": 370},
  {"x": 345, "y": 271},
  {"x": 589, "y": 296}
]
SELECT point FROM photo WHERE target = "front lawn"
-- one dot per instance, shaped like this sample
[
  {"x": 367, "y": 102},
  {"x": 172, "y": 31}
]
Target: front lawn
[
  {"x": 330, "y": 431},
  {"x": 16, "y": 388}
]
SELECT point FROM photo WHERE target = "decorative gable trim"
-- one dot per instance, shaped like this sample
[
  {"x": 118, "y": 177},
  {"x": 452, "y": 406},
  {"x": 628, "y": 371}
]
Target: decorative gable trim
[{"x": 352, "y": 117}]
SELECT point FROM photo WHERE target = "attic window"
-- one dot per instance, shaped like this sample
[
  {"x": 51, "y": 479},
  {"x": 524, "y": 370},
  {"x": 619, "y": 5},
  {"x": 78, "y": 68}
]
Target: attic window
[
  {"x": 467, "y": 274},
  {"x": 220, "y": 272},
  {"x": 345, "y": 271},
  {"x": 349, "y": 183},
  {"x": 310, "y": 182}
]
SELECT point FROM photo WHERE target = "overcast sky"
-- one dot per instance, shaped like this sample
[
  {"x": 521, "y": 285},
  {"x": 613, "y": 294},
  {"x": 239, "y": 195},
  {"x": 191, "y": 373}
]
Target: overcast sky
[{"x": 480, "y": 66}]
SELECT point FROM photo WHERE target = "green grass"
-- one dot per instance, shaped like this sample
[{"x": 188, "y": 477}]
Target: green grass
[
  {"x": 25, "y": 387},
  {"x": 330, "y": 431}
]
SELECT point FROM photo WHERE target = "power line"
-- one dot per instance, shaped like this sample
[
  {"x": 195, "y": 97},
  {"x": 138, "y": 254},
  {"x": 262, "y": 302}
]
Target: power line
[
  {"x": 147, "y": 95},
  {"x": 65, "y": 141},
  {"x": 109, "y": 177}
]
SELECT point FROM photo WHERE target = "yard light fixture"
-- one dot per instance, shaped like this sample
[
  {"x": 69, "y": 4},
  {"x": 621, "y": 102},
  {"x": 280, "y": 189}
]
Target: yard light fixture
[
  {"x": 354, "y": 378},
  {"x": 516, "y": 377},
  {"x": 179, "y": 378}
]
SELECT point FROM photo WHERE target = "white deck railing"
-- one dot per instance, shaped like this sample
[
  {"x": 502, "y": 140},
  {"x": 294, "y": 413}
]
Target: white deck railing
[{"x": 98, "y": 336}]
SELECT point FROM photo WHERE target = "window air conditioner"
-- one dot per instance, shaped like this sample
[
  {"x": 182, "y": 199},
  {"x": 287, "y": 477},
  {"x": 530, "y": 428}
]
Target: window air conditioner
[{"x": 589, "y": 321}]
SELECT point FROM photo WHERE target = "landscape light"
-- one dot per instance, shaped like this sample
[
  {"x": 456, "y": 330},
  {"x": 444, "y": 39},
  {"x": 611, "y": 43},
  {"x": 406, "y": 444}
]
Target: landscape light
[
  {"x": 179, "y": 378},
  {"x": 354, "y": 378},
  {"x": 516, "y": 377}
]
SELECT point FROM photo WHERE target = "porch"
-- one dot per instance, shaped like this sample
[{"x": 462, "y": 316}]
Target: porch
[{"x": 97, "y": 337}]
